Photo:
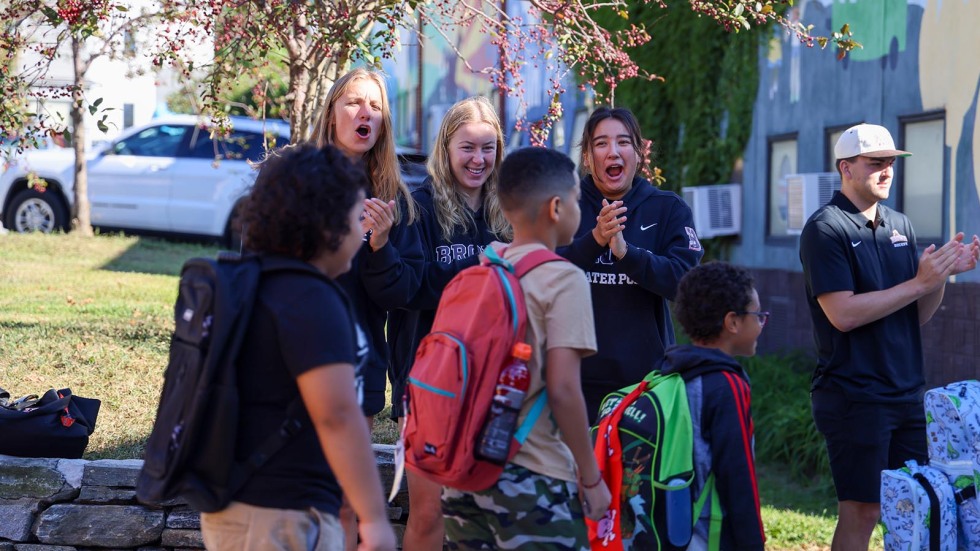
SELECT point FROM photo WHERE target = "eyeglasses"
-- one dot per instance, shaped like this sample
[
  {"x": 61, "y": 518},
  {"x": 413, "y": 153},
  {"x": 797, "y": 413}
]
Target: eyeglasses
[{"x": 763, "y": 316}]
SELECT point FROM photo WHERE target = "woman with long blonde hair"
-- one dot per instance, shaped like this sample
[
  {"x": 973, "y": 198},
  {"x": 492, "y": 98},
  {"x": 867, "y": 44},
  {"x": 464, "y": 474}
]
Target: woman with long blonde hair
[
  {"x": 459, "y": 216},
  {"x": 387, "y": 270},
  {"x": 366, "y": 134}
]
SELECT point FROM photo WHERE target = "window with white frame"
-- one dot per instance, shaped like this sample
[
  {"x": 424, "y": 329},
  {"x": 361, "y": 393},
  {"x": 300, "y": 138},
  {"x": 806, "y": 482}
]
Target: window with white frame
[
  {"x": 782, "y": 161},
  {"x": 923, "y": 176}
]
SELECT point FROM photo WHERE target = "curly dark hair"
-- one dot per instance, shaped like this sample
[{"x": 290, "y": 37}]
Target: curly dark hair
[
  {"x": 707, "y": 293},
  {"x": 300, "y": 201}
]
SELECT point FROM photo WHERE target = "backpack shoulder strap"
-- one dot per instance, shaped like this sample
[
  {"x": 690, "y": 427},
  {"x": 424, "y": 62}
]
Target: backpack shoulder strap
[
  {"x": 242, "y": 471},
  {"x": 714, "y": 517},
  {"x": 532, "y": 417},
  {"x": 609, "y": 455},
  {"x": 534, "y": 259},
  {"x": 934, "y": 509}
]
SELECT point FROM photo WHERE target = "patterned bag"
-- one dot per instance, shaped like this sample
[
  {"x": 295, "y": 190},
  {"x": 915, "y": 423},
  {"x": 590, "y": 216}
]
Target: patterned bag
[
  {"x": 960, "y": 475},
  {"x": 953, "y": 428},
  {"x": 968, "y": 515},
  {"x": 953, "y": 423},
  {"x": 918, "y": 509}
]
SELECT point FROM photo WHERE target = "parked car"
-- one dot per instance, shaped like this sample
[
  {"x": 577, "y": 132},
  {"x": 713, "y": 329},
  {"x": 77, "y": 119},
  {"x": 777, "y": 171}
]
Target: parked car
[
  {"x": 412, "y": 163},
  {"x": 168, "y": 176}
]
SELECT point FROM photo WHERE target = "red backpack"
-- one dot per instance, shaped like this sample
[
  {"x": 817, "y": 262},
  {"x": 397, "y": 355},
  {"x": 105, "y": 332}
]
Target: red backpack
[{"x": 480, "y": 317}]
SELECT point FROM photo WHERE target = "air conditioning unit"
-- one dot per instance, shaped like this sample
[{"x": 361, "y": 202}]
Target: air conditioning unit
[
  {"x": 805, "y": 193},
  {"x": 717, "y": 209}
]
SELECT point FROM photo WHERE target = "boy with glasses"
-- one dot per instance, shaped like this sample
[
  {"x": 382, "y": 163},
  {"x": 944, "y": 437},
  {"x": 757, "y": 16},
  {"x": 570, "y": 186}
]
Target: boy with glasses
[{"x": 718, "y": 308}]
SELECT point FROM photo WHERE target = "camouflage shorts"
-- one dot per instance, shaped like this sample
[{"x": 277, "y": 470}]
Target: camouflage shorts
[{"x": 524, "y": 510}]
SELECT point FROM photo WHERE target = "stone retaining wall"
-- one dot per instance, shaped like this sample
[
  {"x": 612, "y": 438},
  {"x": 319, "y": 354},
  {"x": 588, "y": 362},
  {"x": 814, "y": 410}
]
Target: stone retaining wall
[{"x": 75, "y": 504}]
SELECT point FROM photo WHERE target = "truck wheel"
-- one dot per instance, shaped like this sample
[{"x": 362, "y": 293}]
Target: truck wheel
[{"x": 32, "y": 211}]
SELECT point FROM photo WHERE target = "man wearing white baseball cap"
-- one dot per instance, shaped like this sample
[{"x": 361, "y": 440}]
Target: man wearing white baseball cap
[{"x": 869, "y": 290}]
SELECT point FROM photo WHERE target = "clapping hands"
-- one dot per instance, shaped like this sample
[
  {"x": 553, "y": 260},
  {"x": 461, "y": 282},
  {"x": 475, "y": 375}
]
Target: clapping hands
[
  {"x": 609, "y": 227},
  {"x": 378, "y": 219}
]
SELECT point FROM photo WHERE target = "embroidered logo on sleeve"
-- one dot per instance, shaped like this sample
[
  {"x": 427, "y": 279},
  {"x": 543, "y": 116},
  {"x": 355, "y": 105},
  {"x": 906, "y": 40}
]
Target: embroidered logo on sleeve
[
  {"x": 692, "y": 237},
  {"x": 899, "y": 240}
]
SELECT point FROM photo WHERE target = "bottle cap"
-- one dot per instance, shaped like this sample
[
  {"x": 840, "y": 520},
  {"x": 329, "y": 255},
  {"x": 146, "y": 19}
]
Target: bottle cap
[{"x": 521, "y": 350}]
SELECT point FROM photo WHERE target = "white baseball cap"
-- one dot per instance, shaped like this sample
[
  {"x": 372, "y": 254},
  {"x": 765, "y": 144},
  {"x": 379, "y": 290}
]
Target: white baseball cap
[{"x": 869, "y": 140}]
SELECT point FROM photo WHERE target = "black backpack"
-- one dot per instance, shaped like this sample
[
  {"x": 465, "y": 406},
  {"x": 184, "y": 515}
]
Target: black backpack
[{"x": 191, "y": 451}]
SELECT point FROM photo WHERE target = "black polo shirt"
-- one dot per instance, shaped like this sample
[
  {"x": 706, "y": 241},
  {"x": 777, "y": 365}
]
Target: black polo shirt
[{"x": 841, "y": 250}]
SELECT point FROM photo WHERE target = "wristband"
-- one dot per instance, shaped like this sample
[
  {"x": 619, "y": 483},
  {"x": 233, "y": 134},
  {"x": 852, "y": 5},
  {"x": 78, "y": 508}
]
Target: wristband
[{"x": 593, "y": 485}]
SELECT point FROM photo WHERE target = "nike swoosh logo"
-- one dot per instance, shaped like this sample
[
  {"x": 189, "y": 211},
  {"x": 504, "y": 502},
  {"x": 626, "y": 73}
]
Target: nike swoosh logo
[
  {"x": 645, "y": 228},
  {"x": 855, "y": 243}
]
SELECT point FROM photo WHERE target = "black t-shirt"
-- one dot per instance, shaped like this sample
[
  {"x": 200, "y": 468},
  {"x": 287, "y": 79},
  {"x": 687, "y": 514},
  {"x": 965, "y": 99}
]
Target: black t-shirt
[
  {"x": 300, "y": 322},
  {"x": 841, "y": 250}
]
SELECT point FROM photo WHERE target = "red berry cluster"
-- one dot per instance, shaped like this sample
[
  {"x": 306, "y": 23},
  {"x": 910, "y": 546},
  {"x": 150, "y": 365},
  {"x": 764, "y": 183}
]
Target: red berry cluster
[{"x": 71, "y": 11}]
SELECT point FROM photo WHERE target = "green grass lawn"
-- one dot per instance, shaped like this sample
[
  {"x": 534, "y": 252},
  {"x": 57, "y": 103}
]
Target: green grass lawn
[{"x": 95, "y": 315}]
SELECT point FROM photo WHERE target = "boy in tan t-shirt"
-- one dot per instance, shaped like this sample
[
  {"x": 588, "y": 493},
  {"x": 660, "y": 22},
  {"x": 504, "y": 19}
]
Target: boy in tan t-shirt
[{"x": 542, "y": 494}]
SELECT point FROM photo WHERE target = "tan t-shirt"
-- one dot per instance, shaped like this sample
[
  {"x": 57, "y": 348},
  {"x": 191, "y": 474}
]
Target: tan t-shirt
[{"x": 559, "y": 312}]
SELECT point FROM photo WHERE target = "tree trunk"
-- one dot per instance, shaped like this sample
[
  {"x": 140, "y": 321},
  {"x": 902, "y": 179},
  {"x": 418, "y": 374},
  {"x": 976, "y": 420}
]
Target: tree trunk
[
  {"x": 82, "y": 210},
  {"x": 299, "y": 111}
]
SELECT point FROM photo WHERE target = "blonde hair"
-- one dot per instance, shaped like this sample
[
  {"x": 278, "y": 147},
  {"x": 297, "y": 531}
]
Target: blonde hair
[
  {"x": 381, "y": 162},
  {"x": 449, "y": 202}
]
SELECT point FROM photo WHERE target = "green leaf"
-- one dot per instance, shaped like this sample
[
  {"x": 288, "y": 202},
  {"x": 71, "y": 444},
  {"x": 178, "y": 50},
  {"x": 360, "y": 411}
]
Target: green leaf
[
  {"x": 51, "y": 15},
  {"x": 120, "y": 7},
  {"x": 102, "y": 126},
  {"x": 92, "y": 109},
  {"x": 97, "y": 102}
]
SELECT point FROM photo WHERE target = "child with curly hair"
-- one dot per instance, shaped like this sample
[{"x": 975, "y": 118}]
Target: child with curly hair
[
  {"x": 303, "y": 211},
  {"x": 718, "y": 307}
]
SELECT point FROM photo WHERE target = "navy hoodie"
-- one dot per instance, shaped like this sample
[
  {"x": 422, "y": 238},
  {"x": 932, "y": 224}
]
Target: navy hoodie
[
  {"x": 444, "y": 258},
  {"x": 629, "y": 295},
  {"x": 720, "y": 400},
  {"x": 379, "y": 281}
]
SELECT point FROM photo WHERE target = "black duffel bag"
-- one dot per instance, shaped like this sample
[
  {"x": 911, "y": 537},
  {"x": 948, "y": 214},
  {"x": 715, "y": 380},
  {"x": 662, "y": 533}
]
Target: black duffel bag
[{"x": 57, "y": 424}]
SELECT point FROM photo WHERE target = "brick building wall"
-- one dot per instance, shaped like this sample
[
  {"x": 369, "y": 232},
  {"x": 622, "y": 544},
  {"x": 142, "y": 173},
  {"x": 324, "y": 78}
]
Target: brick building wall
[{"x": 950, "y": 341}]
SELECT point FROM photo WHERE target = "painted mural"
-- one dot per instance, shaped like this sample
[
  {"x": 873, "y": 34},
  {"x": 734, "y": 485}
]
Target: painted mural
[
  {"x": 949, "y": 78},
  {"x": 435, "y": 72},
  {"x": 919, "y": 59}
]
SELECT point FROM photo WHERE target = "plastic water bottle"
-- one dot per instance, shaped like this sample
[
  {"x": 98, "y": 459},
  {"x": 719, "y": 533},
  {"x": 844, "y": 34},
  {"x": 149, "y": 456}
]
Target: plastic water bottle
[{"x": 512, "y": 385}]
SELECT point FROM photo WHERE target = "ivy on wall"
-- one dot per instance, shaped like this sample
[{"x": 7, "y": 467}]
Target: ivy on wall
[{"x": 700, "y": 117}]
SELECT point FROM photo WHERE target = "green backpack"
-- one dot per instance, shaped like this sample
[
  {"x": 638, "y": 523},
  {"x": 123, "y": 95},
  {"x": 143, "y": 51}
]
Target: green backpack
[{"x": 644, "y": 443}]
